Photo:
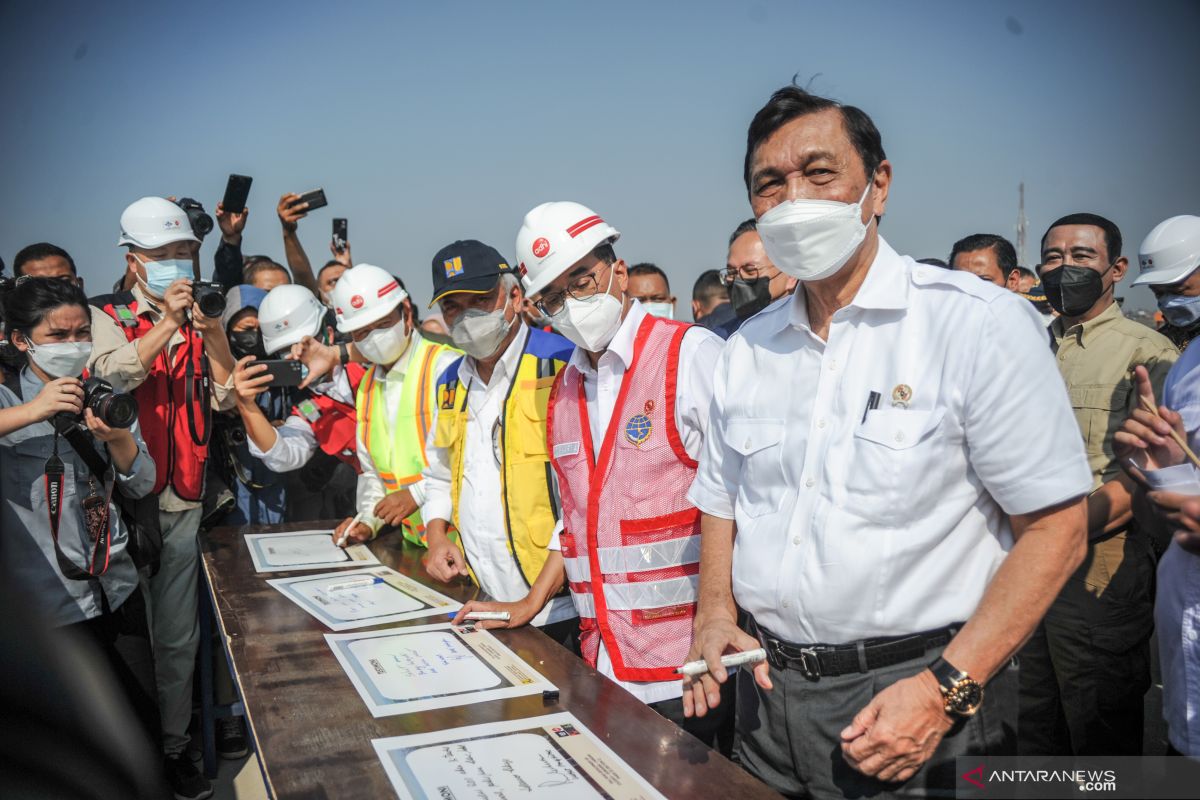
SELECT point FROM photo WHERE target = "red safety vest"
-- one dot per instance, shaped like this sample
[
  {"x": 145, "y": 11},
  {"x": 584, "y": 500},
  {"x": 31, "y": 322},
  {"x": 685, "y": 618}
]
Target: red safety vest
[
  {"x": 162, "y": 398},
  {"x": 334, "y": 423},
  {"x": 631, "y": 539}
]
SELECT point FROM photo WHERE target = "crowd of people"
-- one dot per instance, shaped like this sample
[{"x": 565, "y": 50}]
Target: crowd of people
[{"x": 824, "y": 465}]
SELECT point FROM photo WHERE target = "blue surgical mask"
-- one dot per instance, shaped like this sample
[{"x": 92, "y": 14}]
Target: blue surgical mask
[
  {"x": 161, "y": 274},
  {"x": 1180, "y": 311}
]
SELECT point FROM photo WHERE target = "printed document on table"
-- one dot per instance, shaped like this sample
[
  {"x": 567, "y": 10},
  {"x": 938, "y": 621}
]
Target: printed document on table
[
  {"x": 300, "y": 550},
  {"x": 404, "y": 670},
  {"x": 364, "y": 597},
  {"x": 541, "y": 758}
]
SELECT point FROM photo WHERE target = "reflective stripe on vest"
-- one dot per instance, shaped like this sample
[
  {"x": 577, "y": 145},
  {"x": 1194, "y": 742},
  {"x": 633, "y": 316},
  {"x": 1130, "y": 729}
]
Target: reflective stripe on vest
[
  {"x": 631, "y": 539},
  {"x": 529, "y": 498},
  {"x": 397, "y": 445}
]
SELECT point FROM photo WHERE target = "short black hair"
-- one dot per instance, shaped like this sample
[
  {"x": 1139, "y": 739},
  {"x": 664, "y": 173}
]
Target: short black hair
[
  {"x": 263, "y": 265},
  {"x": 331, "y": 263},
  {"x": 745, "y": 227},
  {"x": 1026, "y": 272},
  {"x": 792, "y": 102},
  {"x": 36, "y": 252},
  {"x": 1112, "y": 234},
  {"x": 605, "y": 252},
  {"x": 933, "y": 262},
  {"x": 646, "y": 268},
  {"x": 709, "y": 287},
  {"x": 1006, "y": 254}
]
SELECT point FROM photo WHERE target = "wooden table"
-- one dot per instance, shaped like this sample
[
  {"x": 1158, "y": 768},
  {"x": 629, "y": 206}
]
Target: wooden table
[{"x": 313, "y": 733}]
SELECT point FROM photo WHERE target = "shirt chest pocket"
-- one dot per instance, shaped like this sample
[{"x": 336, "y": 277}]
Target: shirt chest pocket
[
  {"x": 761, "y": 484},
  {"x": 1100, "y": 409},
  {"x": 894, "y": 463}
]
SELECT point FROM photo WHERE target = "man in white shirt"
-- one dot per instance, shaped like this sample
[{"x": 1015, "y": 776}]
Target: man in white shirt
[
  {"x": 865, "y": 502},
  {"x": 626, "y": 422},
  {"x": 489, "y": 473}
]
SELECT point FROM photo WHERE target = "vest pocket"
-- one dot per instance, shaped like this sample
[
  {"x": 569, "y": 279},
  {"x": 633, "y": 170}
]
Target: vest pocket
[{"x": 527, "y": 434}]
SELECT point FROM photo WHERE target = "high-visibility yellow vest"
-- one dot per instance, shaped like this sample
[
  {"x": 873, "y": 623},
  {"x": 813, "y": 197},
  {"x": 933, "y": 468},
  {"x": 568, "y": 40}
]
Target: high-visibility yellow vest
[
  {"x": 529, "y": 497},
  {"x": 397, "y": 446}
]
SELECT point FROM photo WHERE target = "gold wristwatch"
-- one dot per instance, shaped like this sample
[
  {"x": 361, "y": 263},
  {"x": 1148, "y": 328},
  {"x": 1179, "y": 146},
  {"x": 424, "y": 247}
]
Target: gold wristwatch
[{"x": 962, "y": 694}]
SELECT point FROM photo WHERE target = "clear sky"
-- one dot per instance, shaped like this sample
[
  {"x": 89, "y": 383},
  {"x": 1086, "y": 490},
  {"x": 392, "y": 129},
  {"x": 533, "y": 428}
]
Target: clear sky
[{"x": 428, "y": 122}]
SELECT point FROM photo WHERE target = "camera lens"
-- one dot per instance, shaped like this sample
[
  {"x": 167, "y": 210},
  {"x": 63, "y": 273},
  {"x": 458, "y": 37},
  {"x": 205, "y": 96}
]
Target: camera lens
[
  {"x": 202, "y": 224},
  {"x": 211, "y": 302},
  {"x": 116, "y": 410}
]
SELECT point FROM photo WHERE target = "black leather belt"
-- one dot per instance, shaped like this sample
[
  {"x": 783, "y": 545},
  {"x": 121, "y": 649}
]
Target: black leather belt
[{"x": 830, "y": 660}]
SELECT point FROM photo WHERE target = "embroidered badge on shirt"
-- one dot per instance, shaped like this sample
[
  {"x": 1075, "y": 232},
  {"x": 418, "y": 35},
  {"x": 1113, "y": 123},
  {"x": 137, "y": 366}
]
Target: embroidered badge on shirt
[
  {"x": 639, "y": 427},
  {"x": 902, "y": 395}
]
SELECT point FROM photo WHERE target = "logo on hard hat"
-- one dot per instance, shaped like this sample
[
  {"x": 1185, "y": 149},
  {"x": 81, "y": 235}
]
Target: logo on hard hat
[
  {"x": 171, "y": 223},
  {"x": 541, "y": 247},
  {"x": 356, "y": 301}
]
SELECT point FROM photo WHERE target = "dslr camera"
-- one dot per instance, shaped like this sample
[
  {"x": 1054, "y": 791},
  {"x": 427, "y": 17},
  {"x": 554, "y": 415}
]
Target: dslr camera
[
  {"x": 115, "y": 409},
  {"x": 201, "y": 222},
  {"x": 210, "y": 297}
]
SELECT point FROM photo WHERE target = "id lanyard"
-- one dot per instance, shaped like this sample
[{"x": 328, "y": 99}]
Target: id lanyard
[{"x": 96, "y": 517}]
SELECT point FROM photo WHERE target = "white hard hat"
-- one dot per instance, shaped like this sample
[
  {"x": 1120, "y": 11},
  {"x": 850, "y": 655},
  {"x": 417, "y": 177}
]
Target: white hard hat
[
  {"x": 365, "y": 294},
  {"x": 288, "y": 313},
  {"x": 1170, "y": 252},
  {"x": 154, "y": 221},
  {"x": 553, "y": 237}
]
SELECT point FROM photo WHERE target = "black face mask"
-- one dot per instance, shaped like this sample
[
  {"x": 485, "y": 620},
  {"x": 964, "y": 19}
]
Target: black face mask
[
  {"x": 749, "y": 297},
  {"x": 1072, "y": 290},
  {"x": 247, "y": 343}
]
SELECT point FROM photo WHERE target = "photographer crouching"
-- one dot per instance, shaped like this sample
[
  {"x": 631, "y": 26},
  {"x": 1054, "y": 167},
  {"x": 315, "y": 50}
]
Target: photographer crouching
[
  {"x": 71, "y": 454},
  {"x": 164, "y": 342}
]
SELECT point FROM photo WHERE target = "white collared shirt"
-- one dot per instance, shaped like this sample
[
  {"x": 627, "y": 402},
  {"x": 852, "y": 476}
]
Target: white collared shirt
[
  {"x": 698, "y": 354},
  {"x": 370, "y": 489},
  {"x": 480, "y": 504},
  {"x": 295, "y": 442},
  {"x": 853, "y": 523},
  {"x": 1177, "y": 603}
]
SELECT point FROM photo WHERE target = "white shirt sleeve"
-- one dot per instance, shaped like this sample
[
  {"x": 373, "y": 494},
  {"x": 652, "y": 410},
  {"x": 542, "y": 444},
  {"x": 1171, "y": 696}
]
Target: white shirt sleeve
[
  {"x": 436, "y": 499},
  {"x": 370, "y": 489},
  {"x": 1015, "y": 379},
  {"x": 715, "y": 487},
  {"x": 698, "y": 354},
  {"x": 554, "y": 543},
  {"x": 294, "y": 445}
]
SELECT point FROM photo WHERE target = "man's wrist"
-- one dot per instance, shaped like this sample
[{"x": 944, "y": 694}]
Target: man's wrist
[{"x": 233, "y": 240}]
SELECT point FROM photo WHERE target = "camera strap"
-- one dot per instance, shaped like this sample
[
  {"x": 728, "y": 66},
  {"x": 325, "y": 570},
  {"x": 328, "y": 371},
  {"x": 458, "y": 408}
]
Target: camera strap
[
  {"x": 96, "y": 519},
  {"x": 190, "y": 387}
]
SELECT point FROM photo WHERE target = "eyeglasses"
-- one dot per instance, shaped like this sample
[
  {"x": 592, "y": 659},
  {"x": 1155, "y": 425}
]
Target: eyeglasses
[
  {"x": 579, "y": 288},
  {"x": 748, "y": 272}
]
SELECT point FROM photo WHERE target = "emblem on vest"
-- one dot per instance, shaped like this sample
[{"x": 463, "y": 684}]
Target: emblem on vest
[
  {"x": 639, "y": 427},
  {"x": 448, "y": 392},
  {"x": 310, "y": 411},
  {"x": 126, "y": 316}
]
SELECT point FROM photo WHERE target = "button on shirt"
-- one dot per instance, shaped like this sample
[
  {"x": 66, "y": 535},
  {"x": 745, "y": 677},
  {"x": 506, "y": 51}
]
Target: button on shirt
[
  {"x": 295, "y": 442},
  {"x": 856, "y": 523},
  {"x": 1096, "y": 359},
  {"x": 1177, "y": 604},
  {"x": 698, "y": 354},
  {"x": 481, "y": 512},
  {"x": 370, "y": 489}
]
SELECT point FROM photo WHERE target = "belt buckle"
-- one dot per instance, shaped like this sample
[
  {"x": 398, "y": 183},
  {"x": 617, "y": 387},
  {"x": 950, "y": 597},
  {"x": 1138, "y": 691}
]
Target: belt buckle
[{"x": 810, "y": 665}]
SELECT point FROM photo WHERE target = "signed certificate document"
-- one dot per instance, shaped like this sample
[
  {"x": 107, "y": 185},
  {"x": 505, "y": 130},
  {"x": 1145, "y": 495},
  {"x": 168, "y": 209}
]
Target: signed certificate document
[
  {"x": 403, "y": 670},
  {"x": 297, "y": 550},
  {"x": 361, "y": 598},
  {"x": 541, "y": 758}
]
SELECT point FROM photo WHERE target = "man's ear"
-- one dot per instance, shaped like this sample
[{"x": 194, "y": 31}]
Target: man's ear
[
  {"x": 131, "y": 264},
  {"x": 1120, "y": 268},
  {"x": 621, "y": 270}
]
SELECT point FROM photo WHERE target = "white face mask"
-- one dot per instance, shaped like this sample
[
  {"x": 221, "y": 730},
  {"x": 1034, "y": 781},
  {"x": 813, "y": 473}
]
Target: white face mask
[
  {"x": 61, "y": 359},
  {"x": 812, "y": 239},
  {"x": 664, "y": 310},
  {"x": 590, "y": 323},
  {"x": 479, "y": 333},
  {"x": 384, "y": 346}
]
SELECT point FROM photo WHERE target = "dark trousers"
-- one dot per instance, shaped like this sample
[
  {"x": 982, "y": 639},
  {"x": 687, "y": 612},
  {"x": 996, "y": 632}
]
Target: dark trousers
[
  {"x": 714, "y": 729},
  {"x": 565, "y": 632},
  {"x": 1086, "y": 669},
  {"x": 790, "y": 737},
  {"x": 123, "y": 637}
]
